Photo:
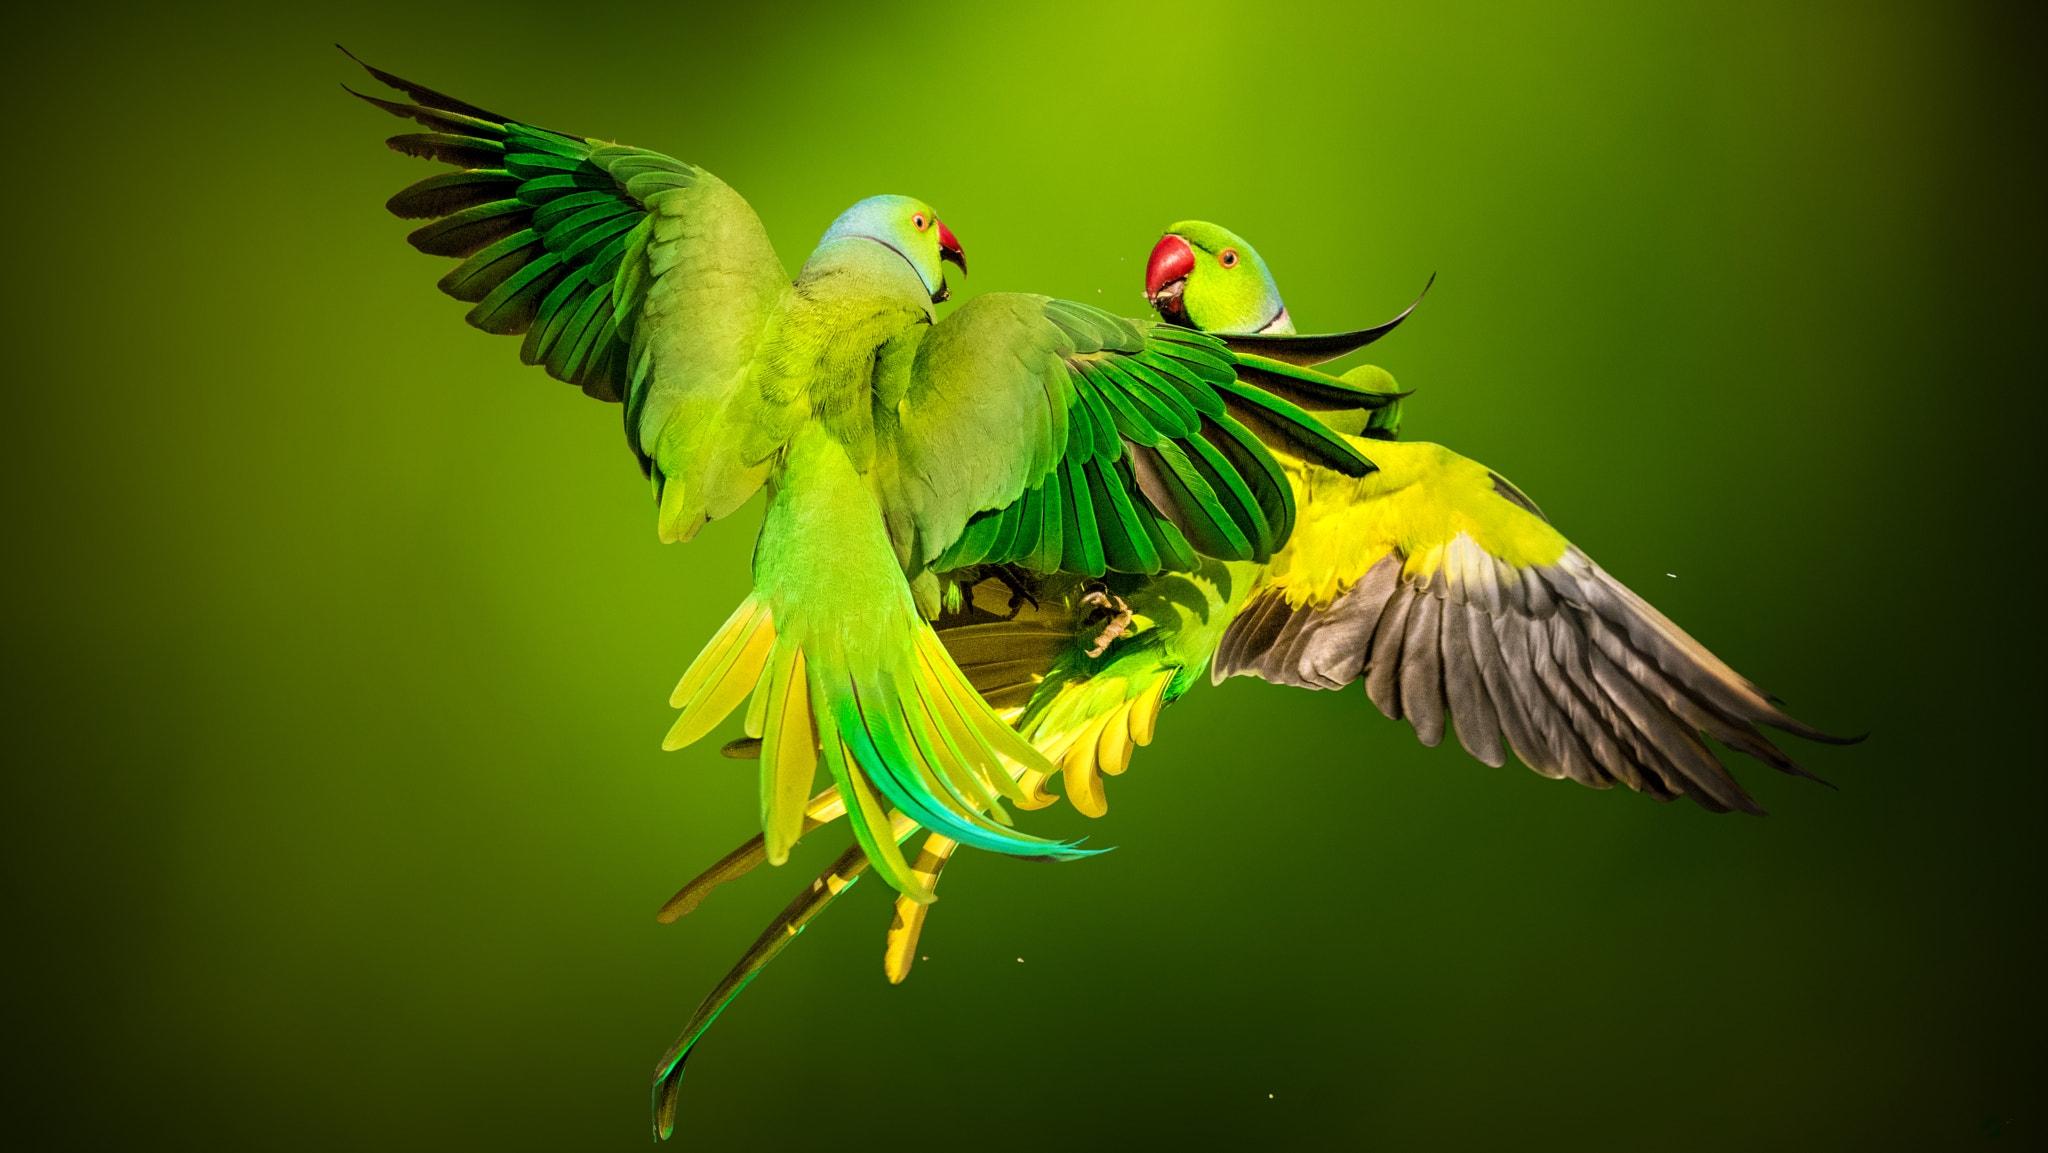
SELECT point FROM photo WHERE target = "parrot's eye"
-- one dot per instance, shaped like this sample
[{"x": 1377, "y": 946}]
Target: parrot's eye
[
  {"x": 918, "y": 219},
  {"x": 1228, "y": 257}
]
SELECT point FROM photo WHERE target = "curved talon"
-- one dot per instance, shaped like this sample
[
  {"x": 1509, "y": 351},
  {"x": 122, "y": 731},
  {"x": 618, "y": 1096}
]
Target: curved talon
[
  {"x": 1119, "y": 616},
  {"x": 1018, "y": 593}
]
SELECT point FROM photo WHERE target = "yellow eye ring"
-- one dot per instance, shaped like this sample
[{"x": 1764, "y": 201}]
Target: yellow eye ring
[
  {"x": 918, "y": 219},
  {"x": 1227, "y": 258}
]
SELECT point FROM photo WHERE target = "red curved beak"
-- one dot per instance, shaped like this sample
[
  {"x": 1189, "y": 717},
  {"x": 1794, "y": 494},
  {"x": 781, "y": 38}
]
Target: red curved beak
[
  {"x": 949, "y": 248},
  {"x": 1171, "y": 260}
]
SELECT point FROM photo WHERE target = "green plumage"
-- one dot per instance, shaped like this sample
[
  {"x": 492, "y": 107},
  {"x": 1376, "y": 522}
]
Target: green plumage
[
  {"x": 1154, "y": 405},
  {"x": 545, "y": 223},
  {"x": 1162, "y": 465},
  {"x": 1043, "y": 434}
]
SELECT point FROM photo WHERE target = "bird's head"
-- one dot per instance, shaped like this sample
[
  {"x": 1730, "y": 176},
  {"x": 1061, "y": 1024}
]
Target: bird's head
[
  {"x": 1205, "y": 276},
  {"x": 908, "y": 227}
]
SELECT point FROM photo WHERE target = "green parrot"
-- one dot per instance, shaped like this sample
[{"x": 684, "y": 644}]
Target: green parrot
[
  {"x": 1021, "y": 433},
  {"x": 1433, "y": 579},
  {"x": 1445, "y": 588}
]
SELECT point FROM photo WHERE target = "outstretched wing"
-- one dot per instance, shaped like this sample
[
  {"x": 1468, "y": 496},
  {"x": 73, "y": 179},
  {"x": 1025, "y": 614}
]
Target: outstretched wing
[
  {"x": 1057, "y": 437},
  {"x": 633, "y": 275},
  {"x": 1442, "y": 586}
]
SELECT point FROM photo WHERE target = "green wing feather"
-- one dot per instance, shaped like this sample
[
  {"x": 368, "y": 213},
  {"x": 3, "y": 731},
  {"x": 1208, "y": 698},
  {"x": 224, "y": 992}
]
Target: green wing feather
[
  {"x": 635, "y": 276},
  {"x": 533, "y": 215},
  {"x": 1146, "y": 447}
]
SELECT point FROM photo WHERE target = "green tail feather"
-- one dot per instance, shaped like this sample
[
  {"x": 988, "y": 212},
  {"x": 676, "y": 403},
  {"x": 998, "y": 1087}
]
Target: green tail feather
[{"x": 668, "y": 1072}]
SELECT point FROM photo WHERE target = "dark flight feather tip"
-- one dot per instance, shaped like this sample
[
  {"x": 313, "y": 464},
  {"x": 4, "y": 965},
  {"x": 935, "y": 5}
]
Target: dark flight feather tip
[
  {"x": 402, "y": 111},
  {"x": 426, "y": 95},
  {"x": 1315, "y": 348}
]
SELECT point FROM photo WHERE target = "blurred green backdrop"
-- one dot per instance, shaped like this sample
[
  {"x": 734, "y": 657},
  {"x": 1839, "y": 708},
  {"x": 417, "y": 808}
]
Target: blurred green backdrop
[{"x": 335, "y": 817}]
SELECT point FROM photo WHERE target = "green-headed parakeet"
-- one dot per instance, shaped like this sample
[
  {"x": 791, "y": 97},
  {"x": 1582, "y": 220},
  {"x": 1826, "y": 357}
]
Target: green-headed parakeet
[{"x": 1433, "y": 579}]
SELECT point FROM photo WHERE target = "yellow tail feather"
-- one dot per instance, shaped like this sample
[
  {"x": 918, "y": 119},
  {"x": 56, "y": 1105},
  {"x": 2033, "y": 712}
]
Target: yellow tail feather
[
  {"x": 715, "y": 651},
  {"x": 1036, "y": 795},
  {"x": 789, "y": 755},
  {"x": 968, "y": 724},
  {"x": 866, "y": 807},
  {"x": 1078, "y": 769},
  {"x": 1113, "y": 752},
  {"x": 900, "y": 951},
  {"x": 1145, "y": 714},
  {"x": 724, "y": 673}
]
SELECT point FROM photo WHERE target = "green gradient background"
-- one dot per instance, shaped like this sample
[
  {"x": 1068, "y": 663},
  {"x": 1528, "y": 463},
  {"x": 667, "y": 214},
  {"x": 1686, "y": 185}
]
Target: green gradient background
[{"x": 335, "y": 816}]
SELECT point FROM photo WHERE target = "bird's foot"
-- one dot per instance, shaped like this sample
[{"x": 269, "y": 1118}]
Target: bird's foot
[
  {"x": 1119, "y": 616},
  {"x": 1018, "y": 593}
]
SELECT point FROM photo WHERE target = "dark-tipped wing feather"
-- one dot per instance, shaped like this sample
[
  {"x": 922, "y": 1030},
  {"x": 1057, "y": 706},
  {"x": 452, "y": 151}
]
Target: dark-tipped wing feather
[
  {"x": 630, "y": 274},
  {"x": 1309, "y": 349},
  {"x": 543, "y": 226},
  {"x": 1054, "y": 436},
  {"x": 1557, "y": 662}
]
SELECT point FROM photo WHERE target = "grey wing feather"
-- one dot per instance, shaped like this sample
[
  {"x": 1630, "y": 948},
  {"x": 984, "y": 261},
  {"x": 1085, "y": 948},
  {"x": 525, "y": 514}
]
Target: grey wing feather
[
  {"x": 1583, "y": 679},
  {"x": 1383, "y": 665}
]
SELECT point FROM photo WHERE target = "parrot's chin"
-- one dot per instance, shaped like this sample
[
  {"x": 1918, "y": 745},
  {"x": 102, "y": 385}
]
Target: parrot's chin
[
  {"x": 944, "y": 294},
  {"x": 1168, "y": 303}
]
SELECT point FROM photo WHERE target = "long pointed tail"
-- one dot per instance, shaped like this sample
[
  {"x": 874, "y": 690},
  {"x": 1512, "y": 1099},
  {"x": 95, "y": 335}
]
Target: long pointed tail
[
  {"x": 668, "y": 1072},
  {"x": 1091, "y": 729},
  {"x": 823, "y": 809},
  {"x": 1087, "y": 737},
  {"x": 845, "y": 670},
  {"x": 916, "y": 738}
]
